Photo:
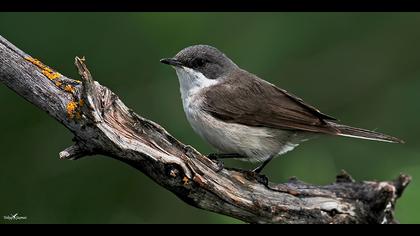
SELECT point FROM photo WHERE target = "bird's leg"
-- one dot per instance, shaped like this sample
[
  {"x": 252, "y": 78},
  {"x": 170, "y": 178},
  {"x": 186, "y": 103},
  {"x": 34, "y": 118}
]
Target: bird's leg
[
  {"x": 214, "y": 156},
  {"x": 260, "y": 177},
  {"x": 261, "y": 167},
  {"x": 217, "y": 156}
]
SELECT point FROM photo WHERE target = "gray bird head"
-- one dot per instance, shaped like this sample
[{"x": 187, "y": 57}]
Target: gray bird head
[{"x": 205, "y": 59}]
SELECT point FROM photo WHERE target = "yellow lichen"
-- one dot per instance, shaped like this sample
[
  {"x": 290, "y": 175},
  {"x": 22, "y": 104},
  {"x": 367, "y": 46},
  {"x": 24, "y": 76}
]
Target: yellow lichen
[
  {"x": 51, "y": 75},
  {"x": 69, "y": 88},
  {"x": 45, "y": 70},
  {"x": 35, "y": 62},
  {"x": 185, "y": 180},
  {"x": 71, "y": 109}
]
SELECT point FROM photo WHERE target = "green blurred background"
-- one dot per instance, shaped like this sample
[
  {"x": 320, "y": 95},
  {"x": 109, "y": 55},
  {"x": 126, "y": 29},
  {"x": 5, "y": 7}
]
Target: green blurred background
[{"x": 362, "y": 68}]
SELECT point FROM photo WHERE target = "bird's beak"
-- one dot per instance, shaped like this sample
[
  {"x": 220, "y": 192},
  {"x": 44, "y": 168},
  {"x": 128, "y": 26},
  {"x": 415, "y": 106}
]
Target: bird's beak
[{"x": 171, "y": 61}]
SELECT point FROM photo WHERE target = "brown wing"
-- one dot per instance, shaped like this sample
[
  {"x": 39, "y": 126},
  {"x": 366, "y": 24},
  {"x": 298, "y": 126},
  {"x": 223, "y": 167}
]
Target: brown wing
[{"x": 255, "y": 102}]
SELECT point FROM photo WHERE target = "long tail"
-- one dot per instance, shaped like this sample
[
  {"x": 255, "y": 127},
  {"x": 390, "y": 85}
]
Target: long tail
[{"x": 348, "y": 131}]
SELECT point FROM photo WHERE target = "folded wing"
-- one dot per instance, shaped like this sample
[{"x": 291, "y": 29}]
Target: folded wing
[{"x": 251, "y": 101}]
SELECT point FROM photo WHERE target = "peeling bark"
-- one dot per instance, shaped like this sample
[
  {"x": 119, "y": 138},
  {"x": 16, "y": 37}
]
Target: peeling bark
[{"x": 102, "y": 124}]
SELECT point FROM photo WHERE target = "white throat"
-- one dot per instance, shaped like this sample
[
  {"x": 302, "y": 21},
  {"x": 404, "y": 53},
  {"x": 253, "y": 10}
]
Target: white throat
[{"x": 191, "y": 81}]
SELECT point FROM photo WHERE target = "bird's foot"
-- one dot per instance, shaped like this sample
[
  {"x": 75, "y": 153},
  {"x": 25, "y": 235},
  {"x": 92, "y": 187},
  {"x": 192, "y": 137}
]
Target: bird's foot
[
  {"x": 260, "y": 178},
  {"x": 214, "y": 157},
  {"x": 189, "y": 150},
  {"x": 253, "y": 176},
  {"x": 217, "y": 156}
]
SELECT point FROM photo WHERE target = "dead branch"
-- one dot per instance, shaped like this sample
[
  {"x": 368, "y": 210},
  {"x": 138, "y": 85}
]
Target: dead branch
[{"x": 102, "y": 124}]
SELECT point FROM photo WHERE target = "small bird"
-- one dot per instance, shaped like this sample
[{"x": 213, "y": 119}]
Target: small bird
[{"x": 244, "y": 116}]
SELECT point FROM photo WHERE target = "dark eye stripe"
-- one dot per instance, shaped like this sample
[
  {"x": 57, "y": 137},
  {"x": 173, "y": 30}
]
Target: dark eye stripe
[{"x": 198, "y": 62}]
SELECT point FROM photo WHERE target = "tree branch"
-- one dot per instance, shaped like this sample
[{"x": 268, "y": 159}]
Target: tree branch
[{"x": 102, "y": 124}]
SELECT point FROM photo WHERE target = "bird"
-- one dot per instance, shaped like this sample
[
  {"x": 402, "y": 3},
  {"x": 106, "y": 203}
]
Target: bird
[{"x": 245, "y": 117}]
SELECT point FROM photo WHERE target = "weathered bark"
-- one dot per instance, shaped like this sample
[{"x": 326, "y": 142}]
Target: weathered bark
[{"x": 102, "y": 124}]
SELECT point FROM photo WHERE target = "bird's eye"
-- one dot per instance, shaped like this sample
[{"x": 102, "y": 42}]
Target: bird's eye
[{"x": 198, "y": 62}]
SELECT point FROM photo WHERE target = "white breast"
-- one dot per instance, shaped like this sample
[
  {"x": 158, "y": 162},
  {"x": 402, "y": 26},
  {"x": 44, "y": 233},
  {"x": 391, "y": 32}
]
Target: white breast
[{"x": 256, "y": 143}]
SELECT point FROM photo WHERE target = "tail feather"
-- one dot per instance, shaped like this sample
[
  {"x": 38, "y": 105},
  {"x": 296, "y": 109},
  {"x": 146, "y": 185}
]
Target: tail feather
[{"x": 348, "y": 131}]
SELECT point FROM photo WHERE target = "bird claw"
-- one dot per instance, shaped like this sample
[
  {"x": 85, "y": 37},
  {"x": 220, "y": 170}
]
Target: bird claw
[
  {"x": 260, "y": 178},
  {"x": 189, "y": 150},
  {"x": 219, "y": 163}
]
